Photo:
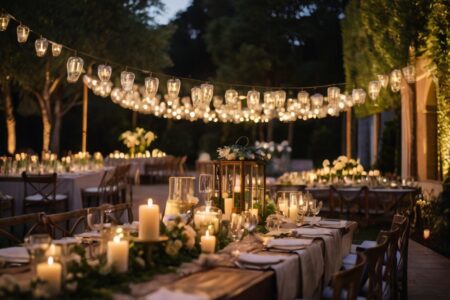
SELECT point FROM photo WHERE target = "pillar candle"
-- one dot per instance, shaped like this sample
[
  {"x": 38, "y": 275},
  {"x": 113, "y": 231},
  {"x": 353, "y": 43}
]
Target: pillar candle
[
  {"x": 117, "y": 254},
  {"x": 237, "y": 185},
  {"x": 293, "y": 212},
  {"x": 254, "y": 212},
  {"x": 208, "y": 243},
  {"x": 229, "y": 203},
  {"x": 50, "y": 272},
  {"x": 426, "y": 234},
  {"x": 149, "y": 221}
]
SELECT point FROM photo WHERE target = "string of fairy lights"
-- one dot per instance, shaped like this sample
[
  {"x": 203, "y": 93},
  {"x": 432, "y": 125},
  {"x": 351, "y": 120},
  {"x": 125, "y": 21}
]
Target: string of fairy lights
[{"x": 202, "y": 104}]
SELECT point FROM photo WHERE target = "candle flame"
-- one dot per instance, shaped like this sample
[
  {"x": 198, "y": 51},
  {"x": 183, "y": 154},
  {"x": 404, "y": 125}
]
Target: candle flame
[
  {"x": 116, "y": 239},
  {"x": 207, "y": 233},
  {"x": 150, "y": 202},
  {"x": 50, "y": 260}
]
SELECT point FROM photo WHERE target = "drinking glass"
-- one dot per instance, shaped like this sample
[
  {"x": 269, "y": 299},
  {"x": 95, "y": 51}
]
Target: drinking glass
[
  {"x": 315, "y": 207},
  {"x": 236, "y": 229},
  {"x": 205, "y": 187},
  {"x": 250, "y": 221},
  {"x": 37, "y": 245}
]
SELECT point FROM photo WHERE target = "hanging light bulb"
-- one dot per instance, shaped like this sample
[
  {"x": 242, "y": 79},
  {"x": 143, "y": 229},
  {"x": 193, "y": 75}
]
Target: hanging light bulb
[
  {"x": 333, "y": 94},
  {"x": 41, "y": 46},
  {"x": 396, "y": 79},
  {"x": 4, "y": 21},
  {"x": 383, "y": 79},
  {"x": 56, "y": 49},
  {"x": 303, "y": 97},
  {"x": 231, "y": 97},
  {"x": 22, "y": 33},
  {"x": 196, "y": 95},
  {"x": 317, "y": 100},
  {"x": 104, "y": 72},
  {"x": 374, "y": 89},
  {"x": 253, "y": 99},
  {"x": 151, "y": 86},
  {"x": 280, "y": 98},
  {"x": 207, "y": 93},
  {"x": 173, "y": 88},
  {"x": 74, "y": 68},
  {"x": 127, "y": 80},
  {"x": 409, "y": 72}
]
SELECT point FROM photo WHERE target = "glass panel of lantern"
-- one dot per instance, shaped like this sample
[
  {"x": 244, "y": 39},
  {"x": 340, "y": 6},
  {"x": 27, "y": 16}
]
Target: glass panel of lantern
[
  {"x": 41, "y": 46},
  {"x": 253, "y": 99},
  {"x": 396, "y": 79},
  {"x": 104, "y": 72},
  {"x": 280, "y": 98},
  {"x": 196, "y": 95},
  {"x": 231, "y": 97},
  {"x": 56, "y": 49},
  {"x": 74, "y": 68},
  {"x": 173, "y": 87},
  {"x": 384, "y": 80},
  {"x": 22, "y": 33},
  {"x": 4, "y": 21},
  {"x": 240, "y": 185},
  {"x": 127, "y": 80},
  {"x": 207, "y": 94},
  {"x": 374, "y": 89},
  {"x": 409, "y": 72},
  {"x": 151, "y": 86},
  {"x": 269, "y": 100}
]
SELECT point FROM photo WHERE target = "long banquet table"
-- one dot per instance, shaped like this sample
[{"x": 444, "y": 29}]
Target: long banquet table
[{"x": 69, "y": 184}]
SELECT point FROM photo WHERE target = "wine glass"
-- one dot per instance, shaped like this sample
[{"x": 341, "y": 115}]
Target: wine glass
[
  {"x": 37, "y": 245},
  {"x": 249, "y": 221},
  {"x": 236, "y": 227},
  {"x": 315, "y": 207},
  {"x": 205, "y": 187}
]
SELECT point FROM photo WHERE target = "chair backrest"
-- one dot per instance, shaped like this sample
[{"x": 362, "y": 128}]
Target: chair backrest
[
  {"x": 375, "y": 260},
  {"x": 66, "y": 224},
  {"x": 403, "y": 223},
  {"x": 43, "y": 185},
  {"x": 7, "y": 226},
  {"x": 390, "y": 272},
  {"x": 346, "y": 284},
  {"x": 113, "y": 213}
]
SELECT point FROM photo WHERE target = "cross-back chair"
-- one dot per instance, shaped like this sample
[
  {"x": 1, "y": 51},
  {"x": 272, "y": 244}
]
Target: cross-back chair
[
  {"x": 8, "y": 225},
  {"x": 403, "y": 224},
  {"x": 94, "y": 196},
  {"x": 390, "y": 262},
  {"x": 66, "y": 224},
  {"x": 40, "y": 192}
]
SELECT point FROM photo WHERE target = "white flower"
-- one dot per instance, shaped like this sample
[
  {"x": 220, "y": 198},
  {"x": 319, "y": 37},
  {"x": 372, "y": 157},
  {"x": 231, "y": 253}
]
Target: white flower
[
  {"x": 171, "y": 248},
  {"x": 338, "y": 166},
  {"x": 41, "y": 291},
  {"x": 190, "y": 234},
  {"x": 326, "y": 163},
  {"x": 342, "y": 159},
  {"x": 171, "y": 225},
  {"x": 149, "y": 137},
  {"x": 360, "y": 168}
]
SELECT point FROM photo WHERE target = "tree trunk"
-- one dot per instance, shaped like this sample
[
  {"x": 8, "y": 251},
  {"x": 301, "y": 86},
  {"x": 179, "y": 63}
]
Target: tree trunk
[
  {"x": 9, "y": 117},
  {"x": 56, "y": 133}
]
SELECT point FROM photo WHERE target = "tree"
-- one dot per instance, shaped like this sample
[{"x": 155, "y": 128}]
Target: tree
[{"x": 104, "y": 28}]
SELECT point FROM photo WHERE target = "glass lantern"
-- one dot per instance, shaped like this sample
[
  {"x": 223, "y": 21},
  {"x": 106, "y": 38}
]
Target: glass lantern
[
  {"x": 4, "y": 21},
  {"x": 207, "y": 218},
  {"x": 181, "y": 196},
  {"x": 74, "y": 68},
  {"x": 384, "y": 80},
  {"x": 127, "y": 80},
  {"x": 41, "y": 46},
  {"x": 56, "y": 49},
  {"x": 409, "y": 72},
  {"x": 239, "y": 185},
  {"x": 374, "y": 89},
  {"x": 231, "y": 97},
  {"x": 104, "y": 72},
  {"x": 396, "y": 79},
  {"x": 173, "y": 88},
  {"x": 22, "y": 33},
  {"x": 151, "y": 86}
]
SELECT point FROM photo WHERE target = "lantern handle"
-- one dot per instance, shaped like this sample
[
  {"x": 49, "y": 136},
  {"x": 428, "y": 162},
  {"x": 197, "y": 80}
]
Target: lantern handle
[{"x": 243, "y": 137}]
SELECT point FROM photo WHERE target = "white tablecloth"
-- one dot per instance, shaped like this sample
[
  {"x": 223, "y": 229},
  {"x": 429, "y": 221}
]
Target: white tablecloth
[{"x": 69, "y": 184}]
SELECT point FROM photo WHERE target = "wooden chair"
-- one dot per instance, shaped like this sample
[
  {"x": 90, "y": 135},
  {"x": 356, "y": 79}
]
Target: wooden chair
[
  {"x": 113, "y": 213},
  {"x": 403, "y": 224},
  {"x": 8, "y": 225},
  {"x": 122, "y": 183},
  {"x": 94, "y": 196},
  {"x": 348, "y": 200},
  {"x": 40, "y": 192},
  {"x": 346, "y": 284},
  {"x": 7, "y": 204},
  {"x": 74, "y": 222},
  {"x": 390, "y": 262}
]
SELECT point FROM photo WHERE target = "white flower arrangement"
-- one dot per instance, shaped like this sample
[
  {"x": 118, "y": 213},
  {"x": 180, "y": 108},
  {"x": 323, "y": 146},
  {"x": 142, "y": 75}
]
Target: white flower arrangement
[
  {"x": 139, "y": 140},
  {"x": 181, "y": 237}
]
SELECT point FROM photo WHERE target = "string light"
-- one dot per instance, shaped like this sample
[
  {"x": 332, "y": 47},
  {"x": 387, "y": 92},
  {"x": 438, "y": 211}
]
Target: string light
[{"x": 145, "y": 99}]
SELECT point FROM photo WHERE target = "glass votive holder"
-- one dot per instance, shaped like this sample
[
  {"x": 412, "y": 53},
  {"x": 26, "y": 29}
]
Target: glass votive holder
[{"x": 207, "y": 218}]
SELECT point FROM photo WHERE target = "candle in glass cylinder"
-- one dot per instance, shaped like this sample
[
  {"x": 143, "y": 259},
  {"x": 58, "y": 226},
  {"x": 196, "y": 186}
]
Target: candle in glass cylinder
[
  {"x": 117, "y": 254},
  {"x": 50, "y": 272},
  {"x": 149, "y": 221},
  {"x": 208, "y": 243},
  {"x": 237, "y": 185},
  {"x": 228, "y": 205},
  {"x": 293, "y": 212}
]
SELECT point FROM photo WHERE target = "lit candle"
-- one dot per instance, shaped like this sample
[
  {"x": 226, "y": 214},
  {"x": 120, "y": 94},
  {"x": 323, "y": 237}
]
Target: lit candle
[
  {"x": 117, "y": 254},
  {"x": 50, "y": 272},
  {"x": 54, "y": 250},
  {"x": 149, "y": 221},
  {"x": 237, "y": 185},
  {"x": 293, "y": 212},
  {"x": 228, "y": 208},
  {"x": 426, "y": 234},
  {"x": 208, "y": 243},
  {"x": 254, "y": 212},
  {"x": 207, "y": 218}
]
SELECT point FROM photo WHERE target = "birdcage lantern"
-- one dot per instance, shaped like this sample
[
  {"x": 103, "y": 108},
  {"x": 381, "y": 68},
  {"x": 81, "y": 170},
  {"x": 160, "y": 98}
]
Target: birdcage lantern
[
  {"x": 4, "y": 21},
  {"x": 41, "y": 46},
  {"x": 240, "y": 185},
  {"x": 22, "y": 33},
  {"x": 56, "y": 49}
]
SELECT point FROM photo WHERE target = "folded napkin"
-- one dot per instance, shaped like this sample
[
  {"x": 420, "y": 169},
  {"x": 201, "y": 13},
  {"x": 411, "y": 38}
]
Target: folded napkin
[
  {"x": 15, "y": 254},
  {"x": 90, "y": 234},
  {"x": 165, "y": 294},
  {"x": 313, "y": 231},
  {"x": 259, "y": 259},
  {"x": 312, "y": 219},
  {"x": 288, "y": 243},
  {"x": 333, "y": 224}
]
